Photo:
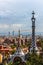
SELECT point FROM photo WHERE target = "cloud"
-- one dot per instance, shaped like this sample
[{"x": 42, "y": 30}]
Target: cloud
[
  {"x": 16, "y": 25},
  {"x": 5, "y": 13},
  {"x": 10, "y": 26},
  {"x": 5, "y": 0},
  {"x": 4, "y": 26},
  {"x": 14, "y": 11}
]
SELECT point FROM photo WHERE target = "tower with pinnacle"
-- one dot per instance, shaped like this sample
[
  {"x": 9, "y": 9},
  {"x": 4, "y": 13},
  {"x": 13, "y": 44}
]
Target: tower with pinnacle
[{"x": 33, "y": 45}]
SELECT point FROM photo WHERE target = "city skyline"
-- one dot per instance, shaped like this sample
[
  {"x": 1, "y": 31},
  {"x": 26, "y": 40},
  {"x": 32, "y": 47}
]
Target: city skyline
[{"x": 16, "y": 14}]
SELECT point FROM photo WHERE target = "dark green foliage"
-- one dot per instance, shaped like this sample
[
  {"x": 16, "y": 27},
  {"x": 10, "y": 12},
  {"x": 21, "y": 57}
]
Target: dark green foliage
[{"x": 34, "y": 59}]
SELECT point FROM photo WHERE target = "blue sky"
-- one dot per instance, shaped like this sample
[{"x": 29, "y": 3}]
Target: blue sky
[{"x": 16, "y": 14}]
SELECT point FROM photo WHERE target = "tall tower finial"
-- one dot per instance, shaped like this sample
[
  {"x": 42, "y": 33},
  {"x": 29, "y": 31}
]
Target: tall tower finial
[
  {"x": 33, "y": 12},
  {"x": 33, "y": 46},
  {"x": 33, "y": 18}
]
